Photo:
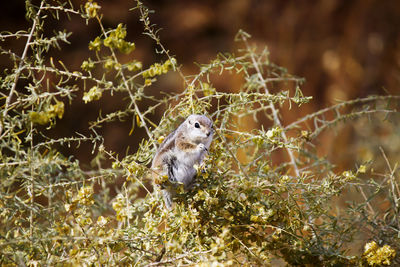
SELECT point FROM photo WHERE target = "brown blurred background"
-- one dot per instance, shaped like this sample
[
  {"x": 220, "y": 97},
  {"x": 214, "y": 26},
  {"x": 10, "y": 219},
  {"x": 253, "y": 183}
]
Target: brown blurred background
[{"x": 344, "y": 49}]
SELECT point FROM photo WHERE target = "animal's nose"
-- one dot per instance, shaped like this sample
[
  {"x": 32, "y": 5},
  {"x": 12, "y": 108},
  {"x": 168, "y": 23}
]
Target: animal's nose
[{"x": 208, "y": 134}]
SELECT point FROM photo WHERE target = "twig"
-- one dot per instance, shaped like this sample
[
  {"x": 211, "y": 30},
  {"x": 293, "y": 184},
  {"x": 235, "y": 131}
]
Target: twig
[
  {"x": 393, "y": 183},
  {"x": 18, "y": 71},
  {"x": 272, "y": 107},
  {"x": 161, "y": 263},
  {"x": 142, "y": 120},
  {"x": 338, "y": 106},
  {"x": 366, "y": 200}
]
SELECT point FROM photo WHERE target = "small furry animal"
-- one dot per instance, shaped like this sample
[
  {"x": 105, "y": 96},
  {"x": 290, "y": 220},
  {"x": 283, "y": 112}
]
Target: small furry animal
[{"x": 180, "y": 151}]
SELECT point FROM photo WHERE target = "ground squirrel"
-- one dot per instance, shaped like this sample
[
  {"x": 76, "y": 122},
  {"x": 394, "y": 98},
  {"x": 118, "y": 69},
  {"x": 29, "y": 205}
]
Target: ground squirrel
[{"x": 180, "y": 151}]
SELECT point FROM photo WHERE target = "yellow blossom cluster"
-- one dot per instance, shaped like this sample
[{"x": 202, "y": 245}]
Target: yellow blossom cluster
[
  {"x": 94, "y": 93},
  {"x": 158, "y": 69},
  {"x": 115, "y": 39},
  {"x": 274, "y": 133},
  {"x": 87, "y": 65},
  {"x": 376, "y": 255},
  {"x": 84, "y": 197},
  {"x": 121, "y": 208},
  {"x": 91, "y": 8},
  {"x": 49, "y": 114}
]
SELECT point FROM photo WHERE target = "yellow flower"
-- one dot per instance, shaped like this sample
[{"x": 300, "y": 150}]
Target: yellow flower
[
  {"x": 102, "y": 221},
  {"x": 273, "y": 133},
  {"x": 362, "y": 169},
  {"x": 134, "y": 65},
  {"x": 109, "y": 64},
  {"x": 376, "y": 255},
  {"x": 348, "y": 175},
  {"x": 85, "y": 196},
  {"x": 158, "y": 69},
  {"x": 39, "y": 117},
  {"x": 120, "y": 207},
  {"x": 57, "y": 110},
  {"x": 87, "y": 65},
  {"x": 160, "y": 139},
  {"x": 49, "y": 114},
  {"x": 94, "y": 93},
  {"x": 116, "y": 40},
  {"x": 91, "y": 9},
  {"x": 95, "y": 44}
]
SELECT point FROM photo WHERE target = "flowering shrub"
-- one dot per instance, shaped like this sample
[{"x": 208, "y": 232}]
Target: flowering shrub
[{"x": 247, "y": 207}]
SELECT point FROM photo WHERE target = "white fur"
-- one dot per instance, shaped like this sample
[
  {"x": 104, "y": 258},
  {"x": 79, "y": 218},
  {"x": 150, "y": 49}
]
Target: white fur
[{"x": 185, "y": 172}]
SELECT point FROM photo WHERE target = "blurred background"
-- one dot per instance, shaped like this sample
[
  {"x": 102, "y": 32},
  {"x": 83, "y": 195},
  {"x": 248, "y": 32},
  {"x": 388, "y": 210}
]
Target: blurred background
[{"x": 343, "y": 49}]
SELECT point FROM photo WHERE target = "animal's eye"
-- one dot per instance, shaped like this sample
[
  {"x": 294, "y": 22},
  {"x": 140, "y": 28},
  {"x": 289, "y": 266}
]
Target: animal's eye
[{"x": 197, "y": 125}]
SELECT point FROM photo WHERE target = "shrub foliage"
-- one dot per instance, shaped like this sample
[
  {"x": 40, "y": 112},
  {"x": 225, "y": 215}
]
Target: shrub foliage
[{"x": 264, "y": 195}]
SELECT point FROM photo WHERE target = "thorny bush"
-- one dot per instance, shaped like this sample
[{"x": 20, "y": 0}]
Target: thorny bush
[{"x": 263, "y": 195}]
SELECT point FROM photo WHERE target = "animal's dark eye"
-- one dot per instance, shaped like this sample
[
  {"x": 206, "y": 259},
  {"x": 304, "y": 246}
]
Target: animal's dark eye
[{"x": 197, "y": 125}]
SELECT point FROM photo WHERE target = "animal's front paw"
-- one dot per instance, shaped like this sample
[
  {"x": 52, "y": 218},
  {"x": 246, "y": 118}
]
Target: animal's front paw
[{"x": 202, "y": 147}]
